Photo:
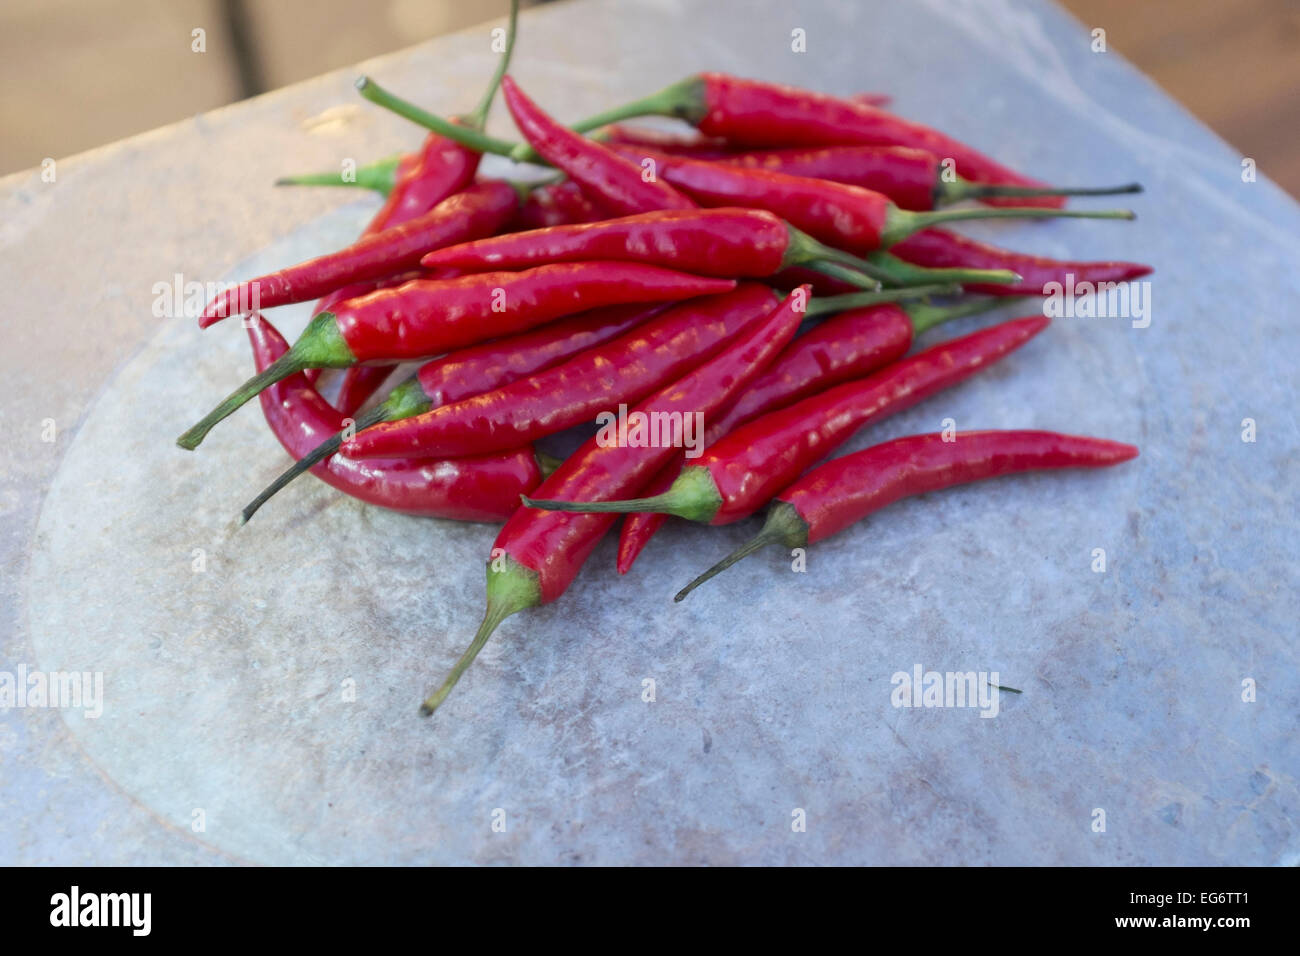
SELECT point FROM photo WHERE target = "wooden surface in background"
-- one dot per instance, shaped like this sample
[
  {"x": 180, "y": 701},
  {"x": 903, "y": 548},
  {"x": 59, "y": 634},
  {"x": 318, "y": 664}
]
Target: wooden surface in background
[{"x": 78, "y": 73}]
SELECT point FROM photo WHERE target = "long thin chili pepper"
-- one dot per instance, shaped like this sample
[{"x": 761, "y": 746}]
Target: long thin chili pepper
[
  {"x": 772, "y": 116},
  {"x": 427, "y": 317},
  {"x": 940, "y": 248},
  {"x": 842, "y": 492},
  {"x": 912, "y": 178},
  {"x": 472, "y": 371},
  {"x": 619, "y": 372},
  {"x": 602, "y": 174},
  {"x": 477, "y": 211},
  {"x": 557, "y": 204},
  {"x": 484, "y": 488},
  {"x": 847, "y": 217},
  {"x": 741, "y": 472},
  {"x": 538, "y": 554},
  {"x": 848, "y": 346},
  {"x": 747, "y": 243}
]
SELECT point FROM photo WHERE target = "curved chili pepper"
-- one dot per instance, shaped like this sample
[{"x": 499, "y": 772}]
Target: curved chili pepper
[
  {"x": 747, "y": 243},
  {"x": 557, "y": 204},
  {"x": 426, "y": 317},
  {"x": 849, "y": 346},
  {"x": 472, "y": 371},
  {"x": 940, "y": 248},
  {"x": 538, "y": 554},
  {"x": 622, "y": 371},
  {"x": 602, "y": 174},
  {"x": 741, "y": 472},
  {"x": 847, "y": 217},
  {"x": 912, "y": 178},
  {"x": 479, "y": 210},
  {"x": 769, "y": 115},
  {"x": 485, "y": 488},
  {"x": 842, "y": 492}
]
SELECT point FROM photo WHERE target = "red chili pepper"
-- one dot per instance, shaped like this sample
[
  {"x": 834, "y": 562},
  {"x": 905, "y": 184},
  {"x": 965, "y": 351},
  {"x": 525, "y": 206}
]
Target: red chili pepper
[
  {"x": 844, "y": 491},
  {"x": 478, "y": 211},
  {"x": 769, "y": 115},
  {"x": 939, "y": 248},
  {"x": 741, "y": 472},
  {"x": 472, "y": 371},
  {"x": 538, "y": 554},
  {"x": 485, "y": 488},
  {"x": 622, "y": 371},
  {"x": 747, "y": 243},
  {"x": 696, "y": 147},
  {"x": 603, "y": 175},
  {"x": 912, "y": 178},
  {"x": 849, "y": 346},
  {"x": 427, "y": 317},
  {"x": 557, "y": 204},
  {"x": 846, "y": 217}
]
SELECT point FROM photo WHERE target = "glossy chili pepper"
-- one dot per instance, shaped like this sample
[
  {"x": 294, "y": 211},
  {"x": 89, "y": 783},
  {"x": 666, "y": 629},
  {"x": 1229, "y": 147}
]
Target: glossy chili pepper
[
  {"x": 842, "y": 492},
  {"x": 622, "y": 371},
  {"x": 480, "y": 210},
  {"x": 603, "y": 175},
  {"x": 912, "y": 178},
  {"x": 484, "y": 488},
  {"x": 748, "y": 243},
  {"x": 847, "y": 217},
  {"x": 940, "y": 248},
  {"x": 676, "y": 144},
  {"x": 428, "y": 317},
  {"x": 557, "y": 204},
  {"x": 848, "y": 346},
  {"x": 538, "y": 554},
  {"x": 743, "y": 471},
  {"x": 769, "y": 115},
  {"x": 472, "y": 371}
]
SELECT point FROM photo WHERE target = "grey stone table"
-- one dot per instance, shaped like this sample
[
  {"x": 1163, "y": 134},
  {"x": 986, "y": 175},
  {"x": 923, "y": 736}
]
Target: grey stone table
[{"x": 259, "y": 689}]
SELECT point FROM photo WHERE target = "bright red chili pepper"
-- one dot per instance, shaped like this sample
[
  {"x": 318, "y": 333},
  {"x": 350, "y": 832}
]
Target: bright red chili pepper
[
  {"x": 848, "y": 346},
  {"x": 940, "y": 248},
  {"x": 485, "y": 488},
  {"x": 427, "y": 317},
  {"x": 557, "y": 204},
  {"x": 912, "y": 178},
  {"x": 474, "y": 370},
  {"x": 772, "y": 116},
  {"x": 538, "y": 554},
  {"x": 749, "y": 243},
  {"x": 741, "y": 472},
  {"x": 477, "y": 211},
  {"x": 847, "y": 217},
  {"x": 603, "y": 175},
  {"x": 842, "y": 492}
]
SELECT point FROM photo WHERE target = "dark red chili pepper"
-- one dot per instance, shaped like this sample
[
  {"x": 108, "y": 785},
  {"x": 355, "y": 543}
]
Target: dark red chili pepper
[
  {"x": 847, "y": 217},
  {"x": 848, "y": 346},
  {"x": 477, "y": 211},
  {"x": 603, "y": 175},
  {"x": 358, "y": 384},
  {"x": 472, "y": 371},
  {"x": 842, "y": 492},
  {"x": 557, "y": 204},
  {"x": 538, "y": 554},
  {"x": 427, "y": 317},
  {"x": 484, "y": 488},
  {"x": 741, "y": 472},
  {"x": 747, "y": 243},
  {"x": 939, "y": 248},
  {"x": 912, "y": 178},
  {"x": 769, "y": 115}
]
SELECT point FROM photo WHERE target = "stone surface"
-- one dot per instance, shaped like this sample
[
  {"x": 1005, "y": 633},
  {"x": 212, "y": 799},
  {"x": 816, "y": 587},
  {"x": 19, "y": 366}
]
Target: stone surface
[{"x": 224, "y": 689}]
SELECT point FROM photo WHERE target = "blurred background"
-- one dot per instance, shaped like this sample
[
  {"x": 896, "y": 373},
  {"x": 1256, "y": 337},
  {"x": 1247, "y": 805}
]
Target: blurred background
[{"x": 79, "y": 73}]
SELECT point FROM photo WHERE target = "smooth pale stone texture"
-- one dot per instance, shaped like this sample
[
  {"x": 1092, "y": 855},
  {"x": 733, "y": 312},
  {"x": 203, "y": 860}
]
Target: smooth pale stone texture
[{"x": 225, "y": 688}]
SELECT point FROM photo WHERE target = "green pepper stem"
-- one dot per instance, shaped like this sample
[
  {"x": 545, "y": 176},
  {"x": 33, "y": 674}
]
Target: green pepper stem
[
  {"x": 693, "y": 496},
  {"x": 457, "y": 132},
  {"x": 379, "y": 176},
  {"x": 925, "y": 316},
  {"x": 509, "y": 590},
  {"x": 320, "y": 346},
  {"x": 860, "y": 300},
  {"x": 961, "y": 189},
  {"x": 895, "y": 271},
  {"x": 901, "y": 223},
  {"x": 845, "y": 274},
  {"x": 478, "y": 118},
  {"x": 783, "y": 526}
]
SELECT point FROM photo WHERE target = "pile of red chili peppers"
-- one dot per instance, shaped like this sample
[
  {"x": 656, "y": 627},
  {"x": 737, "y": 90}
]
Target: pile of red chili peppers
[{"x": 766, "y": 276}]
